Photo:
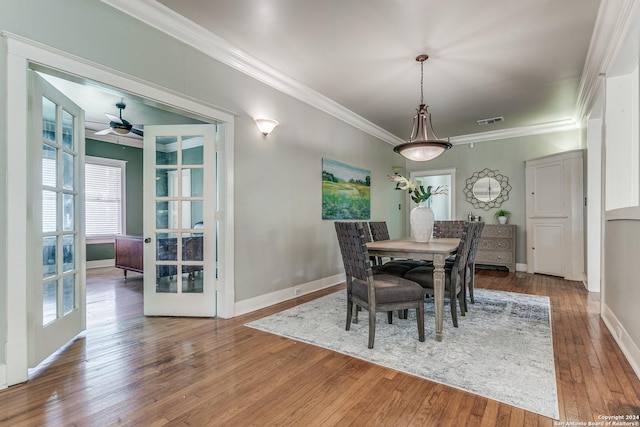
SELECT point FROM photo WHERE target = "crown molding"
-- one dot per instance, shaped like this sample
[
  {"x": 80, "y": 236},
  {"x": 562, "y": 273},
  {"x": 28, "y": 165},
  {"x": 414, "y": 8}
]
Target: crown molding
[
  {"x": 610, "y": 30},
  {"x": 169, "y": 22},
  {"x": 611, "y": 25},
  {"x": 537, "y": 129}
]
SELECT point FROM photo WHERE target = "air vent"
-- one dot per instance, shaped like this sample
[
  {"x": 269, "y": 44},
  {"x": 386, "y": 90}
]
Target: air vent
[{"x": 489, "y": 121}]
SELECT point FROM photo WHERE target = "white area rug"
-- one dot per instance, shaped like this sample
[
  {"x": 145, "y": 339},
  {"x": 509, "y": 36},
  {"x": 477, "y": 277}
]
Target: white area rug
[{"x": 502, "y": 349}]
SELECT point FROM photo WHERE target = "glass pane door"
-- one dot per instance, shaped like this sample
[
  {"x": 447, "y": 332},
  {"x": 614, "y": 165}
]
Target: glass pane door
[
  {"x": 179, "y": 271},
  {"x": 58, "y": 304}
]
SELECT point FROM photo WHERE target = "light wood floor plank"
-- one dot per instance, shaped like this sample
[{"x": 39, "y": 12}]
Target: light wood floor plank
[{"x": 130, "y": 370}]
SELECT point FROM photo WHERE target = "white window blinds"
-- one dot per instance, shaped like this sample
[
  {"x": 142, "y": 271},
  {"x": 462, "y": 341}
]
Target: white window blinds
[{"x": 104, "y": 197}]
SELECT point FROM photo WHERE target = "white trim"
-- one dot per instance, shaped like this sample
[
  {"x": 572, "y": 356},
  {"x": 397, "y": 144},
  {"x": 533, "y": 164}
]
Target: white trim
[
  {"x": 17, "y": 230},
  {"x": 101, "y": 263},
  {"x": 122, "y": 164},
  {"x": 20, "y": 53},
  {"x": 180, "y": 28},
  {"x": 267, "y": 300},
  {"x": 622, "y": 214},
  {"x": 537, "y": 129},
  {"x": 3, "y": 377},
  {"x": 625, "y": 342}
]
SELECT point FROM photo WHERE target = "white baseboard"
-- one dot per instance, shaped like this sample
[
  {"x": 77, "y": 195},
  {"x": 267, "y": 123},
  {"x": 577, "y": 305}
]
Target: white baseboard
[
  {"x": 262, "y": 301},
  {"x": 3, "y": 376},
  {"x": 521, "y": 267},
  {"x": 626, "y": 344},
  {"x": 100, "y": 263}
]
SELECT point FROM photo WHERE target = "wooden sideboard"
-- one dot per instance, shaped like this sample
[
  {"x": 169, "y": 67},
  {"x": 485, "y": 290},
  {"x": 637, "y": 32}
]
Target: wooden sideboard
[
  {"x": 497, "y": 246},
  {"x": 129, "y": 253}
]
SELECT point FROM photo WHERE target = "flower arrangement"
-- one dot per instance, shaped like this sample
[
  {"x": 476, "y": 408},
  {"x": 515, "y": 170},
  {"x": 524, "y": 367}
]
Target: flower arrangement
[{"x": 417, "y": 192}]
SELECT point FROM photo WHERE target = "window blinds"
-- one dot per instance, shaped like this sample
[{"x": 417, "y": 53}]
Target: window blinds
[{"x": 103, "y": 199}]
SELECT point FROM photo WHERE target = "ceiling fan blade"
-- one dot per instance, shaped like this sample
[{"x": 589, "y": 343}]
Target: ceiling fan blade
[
  {"x": 113, "y": 118},
  {"x": 137, "y": 131},
  {"x": 104, "y": 131}
]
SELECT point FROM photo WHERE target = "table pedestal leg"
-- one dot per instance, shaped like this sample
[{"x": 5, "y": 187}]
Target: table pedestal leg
[{"x": 438, "y": 285}]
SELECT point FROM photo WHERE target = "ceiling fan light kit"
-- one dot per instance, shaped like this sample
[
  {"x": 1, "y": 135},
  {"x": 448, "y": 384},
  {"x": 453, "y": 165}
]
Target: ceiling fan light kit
[
  {"x": 118, "y": 125},
  {"x": 423, "y": 144}
]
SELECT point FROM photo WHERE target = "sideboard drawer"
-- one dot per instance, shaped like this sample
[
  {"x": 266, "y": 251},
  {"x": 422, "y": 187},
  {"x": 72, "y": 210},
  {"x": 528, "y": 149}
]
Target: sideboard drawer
[{"x": 497, "y": 246}]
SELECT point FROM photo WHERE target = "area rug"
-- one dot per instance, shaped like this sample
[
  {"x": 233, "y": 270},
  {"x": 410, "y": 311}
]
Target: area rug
[{"x": 502, "y": 349}]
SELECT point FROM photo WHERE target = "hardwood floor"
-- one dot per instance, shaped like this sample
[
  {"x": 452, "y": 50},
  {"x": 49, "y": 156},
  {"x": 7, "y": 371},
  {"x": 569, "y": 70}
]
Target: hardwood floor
[{"x": 132, "y": 370}]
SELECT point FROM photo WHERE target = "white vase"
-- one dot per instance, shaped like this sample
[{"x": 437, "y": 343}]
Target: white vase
[
  {"x": 502, "y": 219},
  {"x": 421, "y": 220}
]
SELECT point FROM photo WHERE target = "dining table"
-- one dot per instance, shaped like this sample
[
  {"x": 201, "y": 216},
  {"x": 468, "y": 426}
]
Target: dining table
[{"x": 436, "y": 250}]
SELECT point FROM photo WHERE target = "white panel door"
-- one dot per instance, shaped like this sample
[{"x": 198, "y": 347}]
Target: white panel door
[
  {"x": 546, "y": 185},
  {"x": 57, "y": 284},
  {"x": 180, "y": 230},
  {"x": 548, "y": 249}
]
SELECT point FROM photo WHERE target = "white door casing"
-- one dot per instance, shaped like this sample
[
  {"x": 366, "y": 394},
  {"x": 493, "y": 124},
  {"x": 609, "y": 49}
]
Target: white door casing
[{"x": 23, "y": 54}]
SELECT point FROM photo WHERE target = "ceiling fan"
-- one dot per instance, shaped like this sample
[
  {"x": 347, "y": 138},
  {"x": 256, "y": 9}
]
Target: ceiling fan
[{"x": 118, "y": 125}]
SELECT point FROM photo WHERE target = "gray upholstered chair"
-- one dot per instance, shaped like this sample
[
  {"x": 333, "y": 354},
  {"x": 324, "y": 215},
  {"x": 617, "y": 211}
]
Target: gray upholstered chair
[
  {"x": 453, "y": 228},
  {"x": 455, "y": 274},
  {"x": 448, "y": 228},
  {"x": 379, "y": 293},
  {"x": 471, "y": 261}
]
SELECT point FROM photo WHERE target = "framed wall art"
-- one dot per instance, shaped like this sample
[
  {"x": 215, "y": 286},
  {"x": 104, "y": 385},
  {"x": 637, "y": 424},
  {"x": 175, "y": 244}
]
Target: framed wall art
[{"x": 345, "y": 191}]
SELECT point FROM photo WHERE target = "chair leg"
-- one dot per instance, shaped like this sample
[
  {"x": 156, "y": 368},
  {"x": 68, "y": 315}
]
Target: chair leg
[
  {"x": 372, "y": 326},
  {"x": 390, "y": 317},
  {"x": 349, "y": 314},
  {"x": 420, "y": 316},
  {"x": 454, "y": 314},
  {"x": 473, "y": 273}
]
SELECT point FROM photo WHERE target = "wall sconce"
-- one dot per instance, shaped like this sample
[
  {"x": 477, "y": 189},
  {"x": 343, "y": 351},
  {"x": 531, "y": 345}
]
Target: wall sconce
[{"x": 266, "y": 125}]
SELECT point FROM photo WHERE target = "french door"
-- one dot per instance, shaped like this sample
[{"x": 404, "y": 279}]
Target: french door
[
  {"x": 180, "y": 225},
  {"x": 57, "y": 285}
]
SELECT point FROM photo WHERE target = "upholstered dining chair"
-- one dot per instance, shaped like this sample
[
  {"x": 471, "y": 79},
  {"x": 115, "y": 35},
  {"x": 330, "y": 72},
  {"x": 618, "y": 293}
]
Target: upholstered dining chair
[
  {"x": 454, "y": 228},
  {"x": 379, "y": 293},
  {"x": 379, "y": 230},
  {"x": 471, "y": 261},
  {"x": 448, "y": 228},
  {"x": 455, "y": 274}
]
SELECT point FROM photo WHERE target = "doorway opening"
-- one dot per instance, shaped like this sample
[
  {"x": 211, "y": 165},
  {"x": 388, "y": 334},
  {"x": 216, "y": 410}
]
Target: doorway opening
[{"x": 443, "y": 205}]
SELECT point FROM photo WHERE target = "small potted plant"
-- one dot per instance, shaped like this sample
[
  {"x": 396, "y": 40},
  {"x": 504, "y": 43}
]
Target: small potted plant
[{"x": 502, "y": 216}]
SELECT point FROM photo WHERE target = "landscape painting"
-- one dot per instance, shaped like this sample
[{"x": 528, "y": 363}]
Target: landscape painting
[{"x": 345, "y": 191}]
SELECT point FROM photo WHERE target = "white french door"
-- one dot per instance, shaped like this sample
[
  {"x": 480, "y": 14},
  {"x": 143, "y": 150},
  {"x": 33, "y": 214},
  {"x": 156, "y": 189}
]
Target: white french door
[
  {"x": 57, "y": 285},
  {"x": 180, "y": 225}
]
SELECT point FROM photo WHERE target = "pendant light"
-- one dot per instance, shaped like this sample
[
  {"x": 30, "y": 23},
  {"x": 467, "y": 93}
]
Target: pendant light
[{"x": 423, "y": 143}]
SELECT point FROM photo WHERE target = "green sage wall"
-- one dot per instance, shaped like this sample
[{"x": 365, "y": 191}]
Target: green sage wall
[{"x": 133, "y": 157}]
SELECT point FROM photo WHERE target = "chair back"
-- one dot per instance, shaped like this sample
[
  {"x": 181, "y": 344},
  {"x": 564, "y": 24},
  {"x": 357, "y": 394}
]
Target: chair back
[
  {"x": 355, "y": 257},
  {"x": 379, "y": 230},
  {"x": 460, "y": 262},
  {"x": 474, "y": 243},
  {"x": 448, "y": 229},
  {"x": 366, "y": 230}
]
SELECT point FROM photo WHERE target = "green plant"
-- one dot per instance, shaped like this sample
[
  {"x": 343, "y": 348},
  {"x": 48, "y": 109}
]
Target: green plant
[
  {"x": 502, "y": 212},
  {"x": 417, "y": 192}
]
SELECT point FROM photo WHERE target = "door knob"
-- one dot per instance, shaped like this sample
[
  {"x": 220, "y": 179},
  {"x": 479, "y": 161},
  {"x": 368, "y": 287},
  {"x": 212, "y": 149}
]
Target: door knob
[{"x": 147, "y": 240}]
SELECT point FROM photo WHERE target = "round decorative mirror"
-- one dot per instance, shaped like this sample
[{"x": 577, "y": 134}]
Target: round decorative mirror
[{"x": 487, "y": 189}]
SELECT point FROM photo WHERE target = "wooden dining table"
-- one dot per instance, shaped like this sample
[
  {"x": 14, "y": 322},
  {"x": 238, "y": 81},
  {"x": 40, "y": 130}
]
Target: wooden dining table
[{"x": 436, "y": 250}]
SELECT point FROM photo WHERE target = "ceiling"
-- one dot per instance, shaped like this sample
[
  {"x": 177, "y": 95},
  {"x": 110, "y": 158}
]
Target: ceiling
[
  {"x": 97, "y": 100},
  {"x": 521, "y": 60},
  {"x": 497, "y": 58}
]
